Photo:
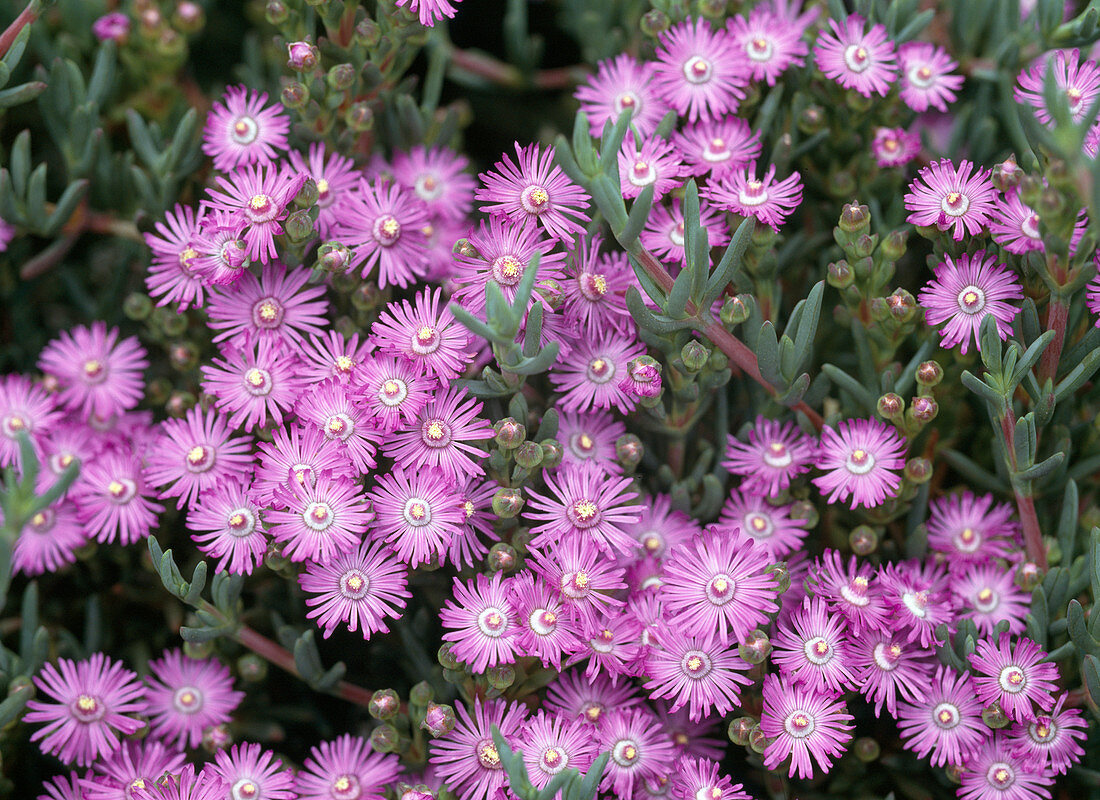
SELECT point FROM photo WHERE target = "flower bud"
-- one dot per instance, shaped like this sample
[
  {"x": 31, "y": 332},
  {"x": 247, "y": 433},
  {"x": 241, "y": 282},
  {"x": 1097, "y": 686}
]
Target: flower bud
[
  {"x": 902, "y": 305},
  {"x": 713, "y": 9},
  {"x": 863, "y": 540},
  {"x": 455, "y": 676},
  {"x": 368, "y": 33},
  {"x": 179, "y": 403},
  {"x": 781, "y": 574},
  {"x": 418, "y": 792},
  {"x": 854, "y": 219},
  {"x": 385, "y": 738},
  {"x": 447, "y": 658},
  {"x": 756, "y": 648},
  {"x": 763, "y": 235},
  {"x": 466, "y": 249},
  {"x": 137, "y": 306},
  {"x": 805, "y": 511},
  {"x": 841, "y": 183},
  {"x": 924, "y": 409},
  {"x": 552, "y": 453},
  {"x": 929, "y": 374},
  {"x": 384, "y": 704},
  {"x": 739, "y": 730},
  {"x": 1006, "y": 175},
  {"x": 629, "y": 450},
  {"x": 340, "y": 77},
  {"x": 302, "y": 56},
  {"x": 502, "y": 557},
  {"x": 995, "y": 717},
  {"x": 333, "y": 257},
  {"x": 1051, "y": 203},
  {"x": 276, "y": 12},
  {"x": 643, "y": 377},
  {"x": 251, "y": 668},
  {"x": 654, "y": 23},
  {"x": 893, "y": 246},
  {"x": 551, "y": 292},
  {"x": 954, "y": 772},
  {"x": 734, "y": 311},
  {"x": 840, "y": 274},
  {"x": 694, "y": 355},
  {"x": 216, "y": 737},
  {"x": 1028, "y": 576},
  {"x": 307, "y": 195},
  {"x": 295, "y": 95},
  {"x": 811, "y": 120},
  {"x": 757, "y": 740},
  {"x": 359, "y": 117},
  {"x": 507, "y": 503},
  {"x": 529, "y": 455},
  {"x": 366, "y": 297},
  {"x": 169, "y": 321},
  {"x": 918, "y": 470},
  {"x": 501, "y": 677},
  {"x": 421, "y": 694},
  {"x": 890, "y": 406},
  {"x": 509, "y": 433},
  {"x": 298, "y": 226},
  {"x": 183, "y": 356},
  {"x": 867, "y": 749},
  {"x": 439, "y": 720}
]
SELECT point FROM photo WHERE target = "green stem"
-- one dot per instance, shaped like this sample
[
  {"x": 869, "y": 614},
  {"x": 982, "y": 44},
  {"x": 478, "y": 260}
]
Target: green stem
[
  {"x": 1025, "y": 503},
  {"x": 25, "y": 18}
]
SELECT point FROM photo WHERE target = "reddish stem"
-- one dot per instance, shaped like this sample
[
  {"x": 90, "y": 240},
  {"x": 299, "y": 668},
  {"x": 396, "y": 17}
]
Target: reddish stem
[
  {"x": 1057, "y": 317},
  {"x": 1025, "y": 503},
  {"x": 25, "y": 18},
  {"x": 492, "y": 69}
]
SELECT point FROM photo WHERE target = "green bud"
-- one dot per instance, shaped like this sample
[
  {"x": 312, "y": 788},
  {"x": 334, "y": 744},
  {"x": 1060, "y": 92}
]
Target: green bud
[
  {"x": 421, "y": 694},
  {"x": 158, "y": 390},
  {"x": 758, "y": 741},
  {"x": 739, "y": 730},
  {"x": 137, "y": 306},
  {"x": 198, "y": 650},
  {"x": 867, "y": 749},
  {"x": 276, "y": 12},
  {"x": 854, "y": 219},
  {"x": 890, "y": 406},
  {"x": 502, "y": 558},
  {"x": 179, "y": 403},
  {"x": 455, "y": 676},
  {"x": 217, "y": 737},
  {"x": 924, "y": 409},
  {"x": 929, "y": 374},
  {"x": 507, "y": 503},
  {"x": 529, "y": 455},
  {"x": 1028, "y": 576},
  {"x": 302, "y": 56},
  {"x": 901, "y": 305},
  {"x": 840, "y": 275},
  {"x": 893, "y": 246},
  {"x": 734, "y": 311},
  {"x": 863, "y": 540},
  {"x": 842, "y": 184},
  {"x": 781, "y": 574},
  {"x": 307, "y": 196},
  {"x": 756, "y": 647},
  {"x": 551, "y": 292},
  {"x": 340, "y": 77},
  {"x": 694, "y": 355},
  {"x": 295, "y": 95},
  {"x": 918, "y": 470},
  {"x": 466, "y": 249},
  {"x": 654, "y": 23},
  {"x": 439, "y": 720},
  {"x": 552, "y": 453},
  {"x": 368, "y": 33},
  {"x": 384, "y": 704},
  {"x": 169, "y": 321},
  {"x": 811, "y": 120},
  {"x": 509, "y": 433},
  {"x": 629, "y": 450},
  {"x": 995, "y": 717},
  {"x": 864, "y": 245},
  {"x": 333, "y": 257},
  {"x": 954, "y": 772},
  {"x": 857, "y": 102},
  {"x": 385, "y": 738},
  {"x": 359, "y": 117},
  {"x": 712, "y": 9},
  {"x": 501, "y": 677},
  {"x": 183, "y": 356},
  {"x": 251, "y": 668},
  {"x": 1006, "y": 175},
  {"x": 447, "y": 658},
  {"x": 298, "y": 226},
  {"x": 806, "y": 511},
  {"x": 763, "y": 235},
  {"x": 366, "y": 297}
]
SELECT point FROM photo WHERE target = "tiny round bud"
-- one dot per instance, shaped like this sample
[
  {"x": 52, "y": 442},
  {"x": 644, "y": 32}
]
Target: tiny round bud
[
  {"x": 298, "y": 226},
  {"x": 890, "y": 406},
  {"x": 811, "y": 120},
  {"x": 841, "y": 183},
  {"x": 137, "y": 306},
  {"x": 552, "y": 453},
  {"x": 384, "y": 704},
  {"x": 340, "y": 76},
  {"x": 902, "y": 305},
  {"x": 446, "y": 657},
  {"x": 216, "y": 737},
  {"x": 863, "y": 540},
  {"x": 385, "y": 738},
  {"x": 781, "y": 574},
  {"x": 507, "y": 503},
  {"x": 893, "y": 246},
  {"x": 510, "y": 434},
  {"x": 359, "y": 117},
  {"x": 189, "y": 17},
  {"x": 805, "y": 511},
  {"x": 170, "y": 322},
  {"x": 502, "y": 557},
  {"x": 307, "y": 195},
  {"x": 366, "y": 297},
  {"x": 757, "y": 740},
  {"x": 276, "y": 12},
  {"x": 529, "y": 455},
  {"x": 840, "y": 275},
  {"x": 439, "y": 720},
  {"x": 295, "y": 95},
  {"x": 466, "y": 249},
  {"x": 302, "y": 56},
  {"x": 1028, "y": 576},
  {"x": 368, "y": 33},
  {"x": 501, "y": 677},
  {"x": 739, "y": 730},
  {"x": 756, "y": 648},
  {"x": 734, "y": 311},
  {"x": 694, "y": 355},
  {"x": 1006, "y": 175},
  {"x": 421, "y": 694},
  {"x": 643, "y": 377},
  {"x": 183, "y": 355},
  {"x": 251, "y": 668},
  {"x": 20, "y": 684},
  {"x": 333, "y": 257},
  {"x": 179, "y": 403},
  {"x": 552, "y": 293},
  {"x": 995, "y": 717},
  {"x": 918, "y": 470},
  {"x": 455, "y": 676},
  {"x": 198, "y": 650},
  {"x": 854, "y": 218},
  {"x": 1051, "y": 203},
  {"x": 954, "y": 772},
  {"x": 713, "y": 9},
  {"x": 629, "y": 450},
  {"x": 929, "y": 373},
  {"x": 924, "y": 409},
  {"x": 867, "y": 749},
  {"x": 654, "y": 23}
]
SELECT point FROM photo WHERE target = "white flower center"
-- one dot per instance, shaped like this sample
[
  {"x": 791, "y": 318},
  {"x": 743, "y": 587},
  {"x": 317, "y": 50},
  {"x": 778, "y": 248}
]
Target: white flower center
[
  {"x": 971, "y": 299},
  {"x": 921, "y": 76},
  {"x": 753, "y": 194},
  {"x": 257, "y": 382},
  {"x": 860, "y": 462},
  {"x": 318, "y": 516},
  {"x": 187, "y": 700},
  {"x": 759, "y": 48},
  {"x": 200, "y": 458},
  {"x": 600, "y": 370},
  {"x": 946, "y": 715},
  {"x": 354, "y": 585},
  {"x": 1012, "y": 679},
  {"x": 1001, "y": 776},
  {"x": 799, "y": 724},
  {"x": 955, "y": 204},
  {"x": 818, "y": 651},
  {"x": 393, "y": 392},
  {"x": 696, "y": 664},
  {"x": 857, "y": 58},
  {"x": 625, "y": 752},
  {"x": 386, "y": 230},
  {"x": 492, "y": 622},
  {"x": 698, "y": 70},
  {"x": 240, "y": 522},
  {"x": 543, "y": 621},
  {"x": 777, "y": 455},
  {"x": 887, "y": 656},
  {"x": 554, "y": 759},
  {"x": 417, "y": 512},
  {"x": 719, "y": 589},
  {"x": 244, "y": 130}
]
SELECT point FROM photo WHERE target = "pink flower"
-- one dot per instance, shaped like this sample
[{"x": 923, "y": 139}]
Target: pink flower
[
  {"x": 951, "y": 199},
  {"x": 254, "y": 383},
  {"x": 426, "y": 333},
  {"x": 589, "y": 376},
  {"x": 48, "y": 540},
  {"x": 1077, "y": 81},
  {"x": 584, "y": 502},
  {"x": 775, "y": 454},
  {"x": 542, "y": 630},
  {"x": 393, "y": 391},
  {"x": 418, "y": 513},
  {"x": 770, "y": 201},
  {"x": 298, "y": 454},
  {"x": 225, "y": 524},
  {"x": 467, "y": 759},
  {"x": 696, "y": 671},
  {"x": 572, "y": 696},
  {"x": 748, "y": 515},
  {"x": 663, "y": 233},
  {"x": 925, "y": 76},
  {"x": 970, "y": 529},
  {"x": 244, "y": 130},
  {"x": 257, "y": 196},
  {"x": 917, "y": 599},
  {"x": 437, "y": 176},
  {"x": 133, "y": 765},
  {"x": 184, "y": 696},
  {"x": 331, "y": 355},
  {"x": 99, "y": 375},
  {"x": 700, "y": 72},
  {"x": 856, "y": 58},
  {"x": 173, "y": 277},
  {"x": 24, "y": 408},
  {"x": 994, "y": 772},
  {"x": 336, "y": 179},
  {"x": 1050, "y": 741},
  {"x": 553, "y": 745},
  {"x": 1014, "y": 676},
  {"x": 640, "y": 750},
  {"x": 384, "y": 226},
  {"x": 346, "y": 767},
  {"x": 621, "y": 84},
  {"x": 655, "y": 163},
  {"x": 113, "y": 499},
  {"x": 585, "y": 579},
  {"x": 330, "y": 407},
  {"x": 988, "y": 595},
  {"x": 481, "y": 622},
  {"x": 595, "y": 287},
  {"x": 858, "y": 457},
  {"x": 814, "y": 648},
  {"x": 321, "y": 520},
  {"x": 590, "y": 437},
  {"x": 430, "y": 12},
  {"x": 222, "y": 255},
  {"x": 808, "y": 726},
  {"x": 250, "y": 771},
  {"x": 114, "y": 26},
  {"x": 195, "y": 454},
  {"x": 771, "y": 39},
  {"x": 887, "y": 667},
  {"x": 718, "y": 146},
  {"x": 964, "y": 292},
  {"x": 279, "y": 307},
  {"x": 698, "y": 778},
  {"x": 660, "y": 528},
  {"x": 895, "y": 147},
  {"x": 853, "y": 590}
]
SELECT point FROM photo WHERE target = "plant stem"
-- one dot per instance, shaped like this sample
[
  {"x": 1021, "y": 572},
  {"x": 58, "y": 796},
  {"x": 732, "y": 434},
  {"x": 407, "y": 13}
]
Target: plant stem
[
  {"x": 1025, "y": 503},
  {"x": 26, "y": 17},
  {"x": 1057, "y": 316},
  {"x": 496, "y": 71}
]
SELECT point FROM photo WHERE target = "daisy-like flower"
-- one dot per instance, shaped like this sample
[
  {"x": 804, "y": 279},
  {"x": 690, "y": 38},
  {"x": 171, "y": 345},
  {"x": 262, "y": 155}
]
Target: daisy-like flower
[
  {"x": 48, "y": 540},
  {"x": 966, "y": 290},
  {"x": 1078, "y": 81},
  {"x": 807, "y": 725},
  {"x": 330, "y": 408},
  {"x": 346, "y": 769},
  {"x": 926, "y": 79},
  {"x": 253, "y": 383},
  {"x": 63, "y": 787},
  {"x": 441, "y": 436},
  {"x": 299, "y": 455},
  {"x": 717, "y": 146},
  {"x": 590, "y": 437},
  {"x": 989, "y": 596},
  {"x": 970, "y": 529},
  {"x": 699, "y": 778},
  {"x": 426, "y": 333},
  {"x": 959, "y": 200},
  {"x": 279, "y": 307},
  {"x": 572, "y": 696},
  {"x": 467, "y": 547},
  {"x": 67, "y": 443},
  {"x": 771, "y": 40},
  {"x": 699, "y": 72},
  {"x": 585, "y": 502},
  {"x": 994, "y": 772},
  {"x": 947, "y": 723},
  {"x": 718, "y": 584},
  {"x": 430, "y": 12},
  {"x": 437, "y": 176},
  {"x": 814, "y": 648},
  {"x": 1015, "y": 226},
  {"x": 589, "y": 376},
  {"x": 697, "y": 672},
  {"x": 226, "y": 525},
  {"x": 857, "y": 58},
  {"x": 336, "y": 178},
  {"x": 552, "y": 745},
  {"x": 887, "y": 667},
  {"x": 917, "y": 599},
  {"x": 542, "y": 629},
  {"x": 133, "y": 766},
  {"x": 660, "y": 528},
  {"x": 185, "y": 696},
  {"x": 767, "y": 199},
  {"x": 222, "y": 254},
  {"x": 195, "y": 454},
  {"x": 393, "y": 391},
  {"x": 640, "y": 750},
  {"x": 468, "y": 759},
  {"x": 894, "y": 147},
  {"x": 417, "y": 513},
  {"x": 243, "y": 129},
  {"x": 656, "y": 162},
  {"x": 612, "y": 644},
  {"x": 533, "y": 188},
  {"x": 187, "y": 785},
  {"x": 254, "y": 773},
  {"x": 172, "y": 275},
  {"x": 321, "y": 520},
  {"x": 331, "y": 355},
  {"x": 24, "y": 408},
  {"x": 1050, "y": 740},
  {"x": 113, "y": 499},
  {"x": 481, "y": 622},
  {"x": 594, "y": 291},
  {"x": 99, "y": 375},
  {"x": 621, "y": 85},
  {"x": 384, "y": 225},
  {"x": 663, "y": 234},
  {"x": 748, "y": 515},
  {"x": 258, "y": 196},
  {"x": 858, "y": 456},
  {"x": 1014, "y": 676},
  {"x": 586, "y": 579},
  {"x": 775, "y": 454},
  {"x": 87, "y": 708},
  {"x": 852, "y": 590}
]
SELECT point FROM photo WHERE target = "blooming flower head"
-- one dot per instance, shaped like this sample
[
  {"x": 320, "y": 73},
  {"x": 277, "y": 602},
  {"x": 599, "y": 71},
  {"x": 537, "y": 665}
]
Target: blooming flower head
[
  {"x": 894, "y": 147},
  {"x": 553, "y": 745},
  {"x": 437, "y": 176},
  {"x": 185, "y": 696},
  {"x": 48, "y": 539},
  {"x": 298, "y": 454},
  {"x": 481, "y": 622},
  {"x": 226, "y": 525},
  {"x": 660, "y": 527},
  {"x": 767, "y": 199},
  {"x": 345, "y": 768},
  {"x": 857, "y": 58},
  {"x": 278, "y": 307},
  {"x": 330, "y": 407},
  {"x": 718, "y": 146},
  {"x": 188, "y": 784},
  {"x": 430, "y": 12},
  {"x": 114, "y": 26},
  {"x": 774, "y": 454},
  {"x": 584, "y": 502},
  {"x": 331, "y": 355},
  {"x": 770, "y": 39},
  {"x": 393, "y": 391},
  {"x": 700, "y": 72},
  {"x": 543, "y": 630},
  {"x": 917, "y": 598},
  {"x": 584, "y": 578},
  {"x": 321, "y": 520},
  {"x": 808, "y": 726},
  {"x": 590, "y": 437},
  {"x": 947, "y": 723},
  {"x": 254, "y": 773},
  {"x": 640, "y": 750},
  {"x": 98, "y": 374},
  {"x": 172, "y": 275},
  {"x": 113, "y": 499},
  {"x": 533, "y": 188},
  {"x": 589, "y": 376},
  {"x": 253, "y": 383},
  {"x": 698, "y": 672},
  {"x": 336, "y": 178},
  {"x": 222, "y": 255},
  {"x": 1014, "y": 676},
  {"x": 994, "y": 772},
  {"x": 417, "y": 513},
  {"x": 663, "y": 233},
  {"x": 696, "y": 778},
  {"x": 858, "y": 456},
  {"x": 964, "y": 292},
  {"x": 926, "y": 79},
  {"x": 749, "y": 515},
  {"x": 718, "y": 584},
  {"x": 24, "y": 408},
  {"x": 243, "y": 129},
  {"x": 612, "y": 643},
  {"x": 384, "y": 225},
  {"x": 594, "y": 290},
  {"x": 259, "y": 196},
  {"x": 467, "y": 759},
  {"x": 425, "y": 333},
  {"x": 1050, "y": 740},
  {"x": 359, "y": 588},
  {"x": 814, "y": 649},
  {"x": 63, "y": 787},
  {"x": 656, "y": 162},
  {"x": 572, "y": 696},
  {"x": 971, "y": 529},
  {"x": 1078, "y": 81},
  {"x": 621, "y": 85},
  {"x": 888, "y": 667},
  {"x": 441, "y": 436},
  {"x": 87, "y": 710},
  {"x": 130, "y": 769},
  {"x": 195, "y": 454},
  {"x": 953, "y": 199}
]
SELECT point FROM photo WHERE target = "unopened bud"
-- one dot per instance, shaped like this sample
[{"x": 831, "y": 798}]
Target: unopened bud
[
  {"x": 890, "y": 406},
  {"x": 929, "y": 373},
  {"x": 1051, "y": 203},
  {"x": 840, "y": 275},
  {"x": 170, "y": 322},
  {"x": 385, "y": 738},
  {"x": 893, "y": 246},
  {"x": 198, "y": 650},
  {"x": 307, "y": 195},
  {"x": 298, "y": 226},
  {"x": 340, "y": 76},
  {"x": 251, "y": 668},
  {"x": 179, "y": 403},
  {"x": 1028, "y": 575},
  {"x": 368, "y": 32},
  {"x": 918, "y": 470},
  {"x": 924, "y": 409},
  {"x": 643, "y": 377},
  {"x": 333, "y": 257},
  {"x": 216, "y": 737},
  {"x": 654, "y": 23},
  {"x": 502, "y": 557},
  {"x": 421, "y": 694},
  {"x": 995, "y": 717},
  {"x": 781, "y": 574},
  {"x": 694, "y": 355},
  {"x": 713, "y": 9},
  {"x": 805, "y": 512},
  {"x": 811, "y": 120},
  {"x": 854, "y": 218},
  {"x": 276, "y": 12},
  {"x": 739, "y": 730},
  {"x": 302, "y": 56},
  {"x": 629, "y": 450},
  {"x": 863, "y": 540},
  {"x": 756, "y": 647},
  {"x": 551, "y": 292},
  {"x": 734, "y": 311},
  {"x": 466, "y": 249},
  {"x": 137, "y": 306},
  {"x": 841, "y": 183},
  {"x": 510, "y": 434},
  {"x": 954, "y": 772},
  {"x": 1006, "y": 175},
  {"x": 507, "y": 503},
  {"x": 501, "y": 677},
  {"x": 552, "y": 453},
  {"x": 902, "y": 305},
  {"x": 867, "y": 749},
  {"x": 447, "y": 658},
  {"x": 359, "y": 117},
  {"x": 366, "y": 297},
  {"x": 384, "y": 704},
  {"x": 529, "y": 455},
  {"x": 439, "y": 720},
  {"x": 757, "y": 740}
]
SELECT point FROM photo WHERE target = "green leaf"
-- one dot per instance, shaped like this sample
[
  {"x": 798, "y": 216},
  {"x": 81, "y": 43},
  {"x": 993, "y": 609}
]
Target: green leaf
[
  {"x": 532, "y": 333},
  {"x": 207, "y": 633},
  {"x": 647, "y": 320},
  {"x": 24, "y": 93},
  {"x": 1042, "y": 469},
  {"x": 767, "y": 355},
  {"x": 15, "y": 702},
  {"x": 676, "y": 307},
  {"x": 585, "y": 154},
  {"x": 198, "y": 583},
  {"x": 539, "y": 363},
  {"x": 730, "y": 264},
  {"x": 611, "y": 143},
  {"x": 1067, "y": 522},
  {"x": 563, "y": 156},
  {"x": 586, "y": 789},
  {"x": 1078, "y": 376},
  {"x": 475, "y": 325},
  {"x": 1030, "y": 357},
  {"x": 983, "y": 390},
  {"x": 1075, "y": 616},
  {"x": 307, "y": 659},
  {"x": 513, "y": 765},
  {"x": 636, "y": 220},
  {"x": 847, "y": 383},
  {"x": 66, "y": 205},
  {"x": 548, "y": 427},
  {"x": 1038, "y": 618},
  {"x": 973, "y": 472}
]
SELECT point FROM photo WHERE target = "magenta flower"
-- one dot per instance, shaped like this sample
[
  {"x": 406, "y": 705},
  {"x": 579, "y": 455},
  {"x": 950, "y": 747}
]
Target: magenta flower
[
  {"x": 114, "y": 26},
  {"x": 533, "y": 188},
  {"x": 751, "y": 516},
  {"x": 895, "y": 147},
  {"x": 700, "y": 72},
  {"x": 660, "y": 528},
  {"x": 572, "y": 696},
  {"x": 336, "y": 179},
  {"x": 994, "y": 772},
  {"x": 966, "y": 290},
  {"x": 253, "y": 383},
  {"x": 132, "y": 766},
  {"x": 467, "y": 546},
  {"x": 48, "y": 540},
  {"x": 299, "y": 455},
  {"x": 437, "y": 176},
  {"x": 173, "y": 277},
  {"x": 242, "y": 129},
  {"x": 584, "y": 578},
  {"x": 187, "y": 785},
  {"x": 718, "y": 585},
  {"x": 852, "y": 590},
  {"x": 917, "y": 599},
  {"x": 393, "y": 392},
  {"x": 98, "y": 374},
  {"x": 593, "y": 292},
  {"x": 63, "y": 787},
  {"x": 441, "y": 436},
  {"x": 225, "y": 524},
  {"x": 384, "y": 225},
  {"x": 590, "y": 437},
  {"x": 222, "y": 254},
  {"x": 258, "y": 196},
  {"x": 621, "y": 84},
  {"x": 346, "y": 768},
  {"x": 698, "y": 778},
  {"x": 481, "y": 622},
  {"x": 113, "y": 500},
  {"x": 426, "y": 333},
  {"x": 808, "y": 726},
  {"x": 887, "y": 667},
  {"x": 1049, "y": 742},
  {"x": 718, "y": 146},
  {"x": 771, "y": 39},
  {"x": 1077, "y": 81},
  {"x": 640, "y": 750},
  {"x": 988, "y": 595},
  {"x": 856, "y": 58},
  {"x": 858, "y": 456},
  {"x": 254, "y": 773},
  {"x": 184, "y": 696},
  {"x": 467, "y": 759},
  {"x": 971, "y": 530},
  {"x": 87, "y": 708},
  {"x": 552, "y": 745},
  {"x": 925, "y": 76},
  {"x": 663, "y": 234},
  {"x": 770, "y": 201},
  {"x": 1015, "y": 226},
  {"x": 321, "y": 520},
  {"x": 278, "y": 307},
  {"x": 775, "y": 454},
  {"x": 24, "y": 408},
  {"x": 418, "y": 513},
  {"x": 959, "y": 200},
  {"x": 430, "y": 12},
  {"x": 612, "y": 644},
  {"x": 589, "y": 376},
  {"x": 584, "y": 502},
  {"x": 195, "y": 454},
  {"x": 813, "y": 649},
  {"x": 1014, "y": 676},
  {"x": 655, "y": 163},
  {"x": 359, "y": 588},
  {"x": 329, "y": 407},
  {"x": 698, "y": 672},
  {"x": 542, "y": 630}
]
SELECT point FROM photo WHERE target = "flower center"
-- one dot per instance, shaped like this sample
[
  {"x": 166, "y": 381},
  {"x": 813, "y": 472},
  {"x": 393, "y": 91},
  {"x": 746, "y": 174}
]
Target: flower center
[
  {"x": 324, "y": 192},
  {"x": 436, "y": 433},
  {"x": 576, "y": 585},
  {"x": 676, "y": 234},
  {"x": 343, "y": 364},
  {"x": 720, "y": 589},
  {"x": 1012, "y": 679},
  {"x": 13, "y": 423},
  {"x": 318, "y": 516},
  {"x": 759, "y": 48},
  {"x": 417, "y": 512},
  {"x": 601, "y": 370},
  {"x": 1029, "y": 227},
  {"x": 757, "y": 525},
  {"x": 268, "y": 313},
  {"x": 1000, "y": 775},
  {"x": 87, "y": 708},
  {"x": 642, "y": 174},
  {"x": 698, "y": 70},
  {"x": 244, "y": 130},
  {"x": 200, "y": 458},
  {"x": 261, "y": 208},
  {"x": 339, "y": 426},
  {"x": 946, "y": 715},
  {"x": 591, "y": 711},
  {"x": 799, "y": 724},
  {"x": 393, "y": 392},
  {"x": 553, "y": 760},
  {"x": 245, "y": 789},
  {"x": 241, "y": 522},
  {"x": 777, "y": 455},
  {"x": 584, "y": 514},
  {"x": 860, "y": 462},
  {"x": 987, "y": 600},
  {"x": 428, "y": 187},
  {"x": 354, "y": 584},
  {"x": 43, "y": 520},
  {"x": 187, "y": 700},
  {"x": 121, "y": 490},
  {"x": 535, "y": 199},
  {"x": 968, "y": 540},
  {"x": 346, "y": 787},
  {"x": 593, "y": 285},
  {"x": 716, "y": 151},
  {"x": 425, "y": 340},
  {"x": 1042, "y": 731},
  {"x": 625, "y": 752},
  {"x": 921, "y": 76},
  {"x": 543, "y": 621},
  {"x": 653, "y": 542},
  {"x": 1074, "y": 96},
  {"x": 855, "y": 591},
  {"x": 492, "y": 622},
  {"x": 95, "y": 371},
  {"x": 856, "y": 58},
  {"x": 890, "y": 144},
  {"x": 696, "y": 664},
  {"x": 753, "y": 193},
  {"x": 186, "y": 256},
  {"x": 887, "y": 656},
  {"x": 626, "y": 100},
  {"x": 971, "y": 299},
  {"x": 582, "y": 445},
  {"x": 257, "y": 382},
  {"x": 917, "y": 603},
  {"x": 304, "y": 474},
  {"x": 819, "y": 651},
  {"x": 487, "y": 754},
  {"x": 507, "y": 270},
  {"x": 387, "y": 230},
  {"x": 954, "y": 204}
]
